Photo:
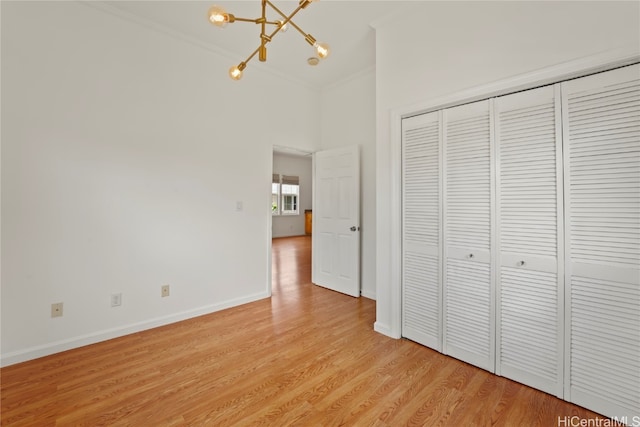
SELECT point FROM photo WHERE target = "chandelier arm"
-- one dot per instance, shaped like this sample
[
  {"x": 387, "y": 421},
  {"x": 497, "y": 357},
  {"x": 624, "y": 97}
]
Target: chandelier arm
[
  {"x": 263, "y": 20},
  {"x": 250, "y": 57},
  {"x": 255, "y": 21},
  {"x": 287, "y": 19},
  {"x": 263, "y": 42}
]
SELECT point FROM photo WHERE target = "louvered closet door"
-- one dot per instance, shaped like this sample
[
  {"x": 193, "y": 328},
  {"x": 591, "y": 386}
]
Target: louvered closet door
[
  {"x": 421, "y": 278},
  {"x": 530, "y": 320},
  {"x": 601, "y": 116},
  {"x": 469, "y": 328}
]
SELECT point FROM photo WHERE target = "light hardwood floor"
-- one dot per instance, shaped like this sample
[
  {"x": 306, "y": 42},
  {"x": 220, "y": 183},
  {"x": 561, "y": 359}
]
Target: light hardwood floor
[{"x": 306, "y": 357}]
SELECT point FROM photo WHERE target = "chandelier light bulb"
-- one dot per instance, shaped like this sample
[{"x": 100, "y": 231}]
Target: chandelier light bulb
[
  {"x": 284, "y": 27},
  {"x": 322, "y": 49},
  {"x": 218, "y": 16},
  {"x": 235, "y": 72}
]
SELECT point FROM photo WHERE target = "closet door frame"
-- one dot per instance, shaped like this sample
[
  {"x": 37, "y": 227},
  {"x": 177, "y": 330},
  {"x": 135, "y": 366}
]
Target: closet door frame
[{"x": 389, "y": 319}]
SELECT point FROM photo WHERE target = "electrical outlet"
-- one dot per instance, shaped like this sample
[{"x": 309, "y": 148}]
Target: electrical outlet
[
  {"x": 164, "y": 291},
  {"x": 116, "y": 300},
  {"x": 56, "y": 309}
]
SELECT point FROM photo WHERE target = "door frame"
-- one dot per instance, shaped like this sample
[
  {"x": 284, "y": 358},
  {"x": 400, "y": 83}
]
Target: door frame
[{"x": 287, "y": 151}]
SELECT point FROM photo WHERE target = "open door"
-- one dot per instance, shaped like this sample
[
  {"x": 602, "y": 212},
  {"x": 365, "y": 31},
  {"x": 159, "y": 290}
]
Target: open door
[{"x": 336, "y": 220}]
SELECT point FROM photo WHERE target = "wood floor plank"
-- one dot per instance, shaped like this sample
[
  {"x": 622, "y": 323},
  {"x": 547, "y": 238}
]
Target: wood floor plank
[{"x": 307, "y": 356}]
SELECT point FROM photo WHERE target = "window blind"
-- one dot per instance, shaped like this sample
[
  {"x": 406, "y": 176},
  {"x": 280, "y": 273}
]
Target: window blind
[{"x": 290, "y": 180}]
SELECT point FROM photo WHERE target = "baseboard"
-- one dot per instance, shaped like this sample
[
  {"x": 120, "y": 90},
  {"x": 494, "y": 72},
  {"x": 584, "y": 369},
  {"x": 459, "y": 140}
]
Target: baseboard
[
  {"x": 384, "y": 330},
  {"x": 83, "y": 340},
  {"x": 281, "y": 236},
  {"x": 368, "y": 294}
]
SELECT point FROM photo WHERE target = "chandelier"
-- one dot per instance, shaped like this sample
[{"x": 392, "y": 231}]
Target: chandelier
[{"x": 220, "y": 18}]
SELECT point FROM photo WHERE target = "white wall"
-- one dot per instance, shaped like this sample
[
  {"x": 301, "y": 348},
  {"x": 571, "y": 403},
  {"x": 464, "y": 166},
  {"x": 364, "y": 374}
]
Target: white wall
[
  {"x": 348, "y": 118},
  {"x": 285, "y": 164},
  {"x": 124, "y": 152},
  {"x": 439, "y": 49}
]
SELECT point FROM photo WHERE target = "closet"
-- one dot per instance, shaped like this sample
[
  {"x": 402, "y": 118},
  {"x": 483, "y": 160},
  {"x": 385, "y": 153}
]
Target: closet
[{"x": 521, "y": 237}]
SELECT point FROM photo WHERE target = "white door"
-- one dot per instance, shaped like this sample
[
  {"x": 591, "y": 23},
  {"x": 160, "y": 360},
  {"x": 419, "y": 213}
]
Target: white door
[
  {"x": 422, "y": 234},
  {"x": 469, "y": 324},
  {"x": 602, "y": 214},
  {"x": 336, "y": 220},
  {"x": 529, "y": 221}
]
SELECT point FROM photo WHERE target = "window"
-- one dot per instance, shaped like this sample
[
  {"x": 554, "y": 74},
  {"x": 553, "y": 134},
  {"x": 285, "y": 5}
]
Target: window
[
  {"x": 285, "y": 195},
  {"x": 290, "y": 199}
]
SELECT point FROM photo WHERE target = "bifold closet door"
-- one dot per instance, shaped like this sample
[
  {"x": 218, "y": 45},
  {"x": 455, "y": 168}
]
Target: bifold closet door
[
  {"x": 601, "y": 116},
  {"x": 469, "y": 326},
  {"x": 530, "y": 299},
  {"x": 421, "y": 277}
]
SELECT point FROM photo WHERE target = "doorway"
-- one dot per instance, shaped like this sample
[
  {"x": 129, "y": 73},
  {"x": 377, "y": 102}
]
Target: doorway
[{"x": 290, "y": 245}]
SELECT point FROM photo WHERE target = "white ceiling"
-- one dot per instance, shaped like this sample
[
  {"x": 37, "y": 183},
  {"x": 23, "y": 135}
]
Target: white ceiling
[{"x": 344, "y": 25}]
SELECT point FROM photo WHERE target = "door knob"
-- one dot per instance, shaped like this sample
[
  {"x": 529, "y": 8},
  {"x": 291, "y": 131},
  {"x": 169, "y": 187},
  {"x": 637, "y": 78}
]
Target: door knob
[{"x": 354, "y": 228}]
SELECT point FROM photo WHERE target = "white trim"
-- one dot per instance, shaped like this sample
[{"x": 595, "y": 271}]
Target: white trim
[
  {"x": 368, "y": 294},
  {"x": 444, "y": 278},
  {"x": 496, "y": 247},
  {"x": 384, "y": 330},
  {"x": 560, "y": 254},
  {"x": 493, "y": 238},
  {"x": 567, "y": 244},
  {"x": 313, "y": 209},
  {"x": 395, "y": 245},
  {"x": 269, "y": 287},
  {"x": 107, "y": 334},
  {"x": 554, "y": 74},
  {"x": 441, "y": 253}
]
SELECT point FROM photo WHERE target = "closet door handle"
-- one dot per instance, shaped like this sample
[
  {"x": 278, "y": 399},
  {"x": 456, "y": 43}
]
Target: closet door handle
[
  {"x": 520, "y": 263},
  {"x": 470, "y": 256}
]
